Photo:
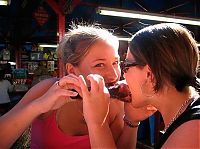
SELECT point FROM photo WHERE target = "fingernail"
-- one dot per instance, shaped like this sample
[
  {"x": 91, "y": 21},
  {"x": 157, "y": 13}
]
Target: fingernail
[{"x": 75, "y": 93}]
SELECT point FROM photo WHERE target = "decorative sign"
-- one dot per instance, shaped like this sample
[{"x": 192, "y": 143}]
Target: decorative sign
[
  {"x": 41, "y": 16},
  {"x": 20, "y": 73}
]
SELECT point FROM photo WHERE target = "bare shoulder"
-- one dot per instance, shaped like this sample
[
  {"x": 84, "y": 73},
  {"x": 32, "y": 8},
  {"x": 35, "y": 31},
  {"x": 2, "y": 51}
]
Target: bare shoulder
[
  {"x": 116, "y": 118},
  {"x": 36, "y": 91},
  {"x": 116, "y": 108},
  {"x": 185, "y": 136},
  {"x": 116, "y": 105}
]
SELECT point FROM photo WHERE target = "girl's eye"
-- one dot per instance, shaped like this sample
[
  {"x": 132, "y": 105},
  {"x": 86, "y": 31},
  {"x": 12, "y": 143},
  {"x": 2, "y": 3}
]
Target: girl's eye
[{"x": 99, "y": 65}]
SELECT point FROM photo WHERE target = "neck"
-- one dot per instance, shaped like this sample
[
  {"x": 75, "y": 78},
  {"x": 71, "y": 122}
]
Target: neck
[{"x": 173, "y": 104}]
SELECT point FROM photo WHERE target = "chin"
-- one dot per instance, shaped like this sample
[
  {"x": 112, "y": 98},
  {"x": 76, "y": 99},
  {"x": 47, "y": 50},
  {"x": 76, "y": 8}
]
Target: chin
[
  {"x": 111, "y": 83},
  {"x": 138, "y": 103}
]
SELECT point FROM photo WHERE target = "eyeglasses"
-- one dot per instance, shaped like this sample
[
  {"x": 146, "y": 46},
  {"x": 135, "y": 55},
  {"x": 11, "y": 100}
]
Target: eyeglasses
[{"x": 125, "y": 65}]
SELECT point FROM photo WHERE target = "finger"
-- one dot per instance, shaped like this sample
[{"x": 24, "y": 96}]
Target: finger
[
  {"x": 94, "y": 83},
  {"x": 66, "y": 95},
  {"x": 64, "y": 92},
  {"x": 67, "y": 80},
  {"x": 102, "y": 87},
  {"x": 71, "y": 86},
  {"x": 75, "y": 88},
  {"x": 70, "y": 93},
  {"x": 78, "y": 89},
  {"x": 73, "y": 76},
  {"x": 83, "y": 86}
]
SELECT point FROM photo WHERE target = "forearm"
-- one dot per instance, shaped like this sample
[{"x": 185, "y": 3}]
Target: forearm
[
  {"x": 101, "y": 137},
  {"x": 128, "y": 138},
  {"x": 13, "y": 124}
]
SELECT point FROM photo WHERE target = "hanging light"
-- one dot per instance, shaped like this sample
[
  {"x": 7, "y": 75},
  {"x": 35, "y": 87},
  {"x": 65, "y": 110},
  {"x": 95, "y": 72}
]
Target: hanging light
[
  {"x": 146, "y": 16},
  {"x": 48, "y": 45},
  {"x": 5, "y": 2}
]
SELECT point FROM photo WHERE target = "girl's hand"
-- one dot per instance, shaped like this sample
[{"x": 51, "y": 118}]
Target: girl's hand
[
  {"x": 59, "y": 93},
  {"x": 96, "y": 101},
  {"x": 135, "y": 115}
]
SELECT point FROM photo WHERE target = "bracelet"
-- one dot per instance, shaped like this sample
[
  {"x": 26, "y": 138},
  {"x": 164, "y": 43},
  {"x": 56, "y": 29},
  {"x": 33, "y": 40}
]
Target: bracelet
[{"x": 129, "y": 123}]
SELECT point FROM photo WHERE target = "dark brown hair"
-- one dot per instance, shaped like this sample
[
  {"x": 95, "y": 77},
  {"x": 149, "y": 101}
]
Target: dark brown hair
[{"x": 170, "y": 51}]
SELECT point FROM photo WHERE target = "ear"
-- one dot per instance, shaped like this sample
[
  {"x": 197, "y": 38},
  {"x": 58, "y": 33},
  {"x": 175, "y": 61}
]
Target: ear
[
  {"x": 149, "y": 74},
  {"x": 70, "y": 69}
]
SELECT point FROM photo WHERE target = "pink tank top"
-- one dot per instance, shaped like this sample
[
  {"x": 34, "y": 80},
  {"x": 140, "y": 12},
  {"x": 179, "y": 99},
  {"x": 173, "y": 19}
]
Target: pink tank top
[{"x": 46, "y": 135}]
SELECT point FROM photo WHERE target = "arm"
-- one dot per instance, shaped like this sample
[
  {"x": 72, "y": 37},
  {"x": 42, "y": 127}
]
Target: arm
[
  {"x": 125, "y": 136},
  {"x": 101, "y": 136},
  {"x": 128, "y": 138},
  {"x": 115, "y": 120},
  {"x": 95, "y": 110},
  {"x": 35, "y": 92},
  {"x": 20, "y": 117},
  {"x": 13, "y": 123}
]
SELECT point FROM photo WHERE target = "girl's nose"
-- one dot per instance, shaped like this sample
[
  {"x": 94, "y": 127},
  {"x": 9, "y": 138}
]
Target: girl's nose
[{"x": 112, "y": 75}]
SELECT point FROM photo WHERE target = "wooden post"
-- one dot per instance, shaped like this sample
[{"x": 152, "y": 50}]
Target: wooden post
[{"x": 60, "y": 29}]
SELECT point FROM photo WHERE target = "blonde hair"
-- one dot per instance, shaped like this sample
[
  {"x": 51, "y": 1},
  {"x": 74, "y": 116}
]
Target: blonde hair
[{"x": 76, "y": 43}]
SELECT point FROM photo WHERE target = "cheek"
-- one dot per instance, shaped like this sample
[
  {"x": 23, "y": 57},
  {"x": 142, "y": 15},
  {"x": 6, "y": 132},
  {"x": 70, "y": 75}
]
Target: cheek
[
  {"x": 84, "y": 71},
  {"x": 107, "y": 74},
  {"x": 129, "y": 79},
  {"x": 134, "y": 84}
]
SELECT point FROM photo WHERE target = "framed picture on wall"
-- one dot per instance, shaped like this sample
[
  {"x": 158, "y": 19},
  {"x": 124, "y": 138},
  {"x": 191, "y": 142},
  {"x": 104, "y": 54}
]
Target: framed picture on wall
[{"x": 36, "y": 56}]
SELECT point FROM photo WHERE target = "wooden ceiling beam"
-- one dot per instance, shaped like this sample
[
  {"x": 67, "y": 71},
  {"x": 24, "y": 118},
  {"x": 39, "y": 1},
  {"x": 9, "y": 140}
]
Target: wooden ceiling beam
[{"x": 55, "y": 6}]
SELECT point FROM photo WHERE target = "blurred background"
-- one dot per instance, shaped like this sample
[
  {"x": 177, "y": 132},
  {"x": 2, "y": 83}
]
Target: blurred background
[{"x": 31, "y": 29}]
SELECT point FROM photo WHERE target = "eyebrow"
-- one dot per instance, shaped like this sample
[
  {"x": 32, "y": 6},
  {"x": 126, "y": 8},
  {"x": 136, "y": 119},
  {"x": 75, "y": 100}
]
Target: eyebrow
[
  {"x": 100, "y": 59},
  {"x": 103, "y": 59}
]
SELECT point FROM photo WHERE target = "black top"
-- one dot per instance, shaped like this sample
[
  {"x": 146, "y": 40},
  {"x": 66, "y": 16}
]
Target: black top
[{"x": 192, "y": 112}]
